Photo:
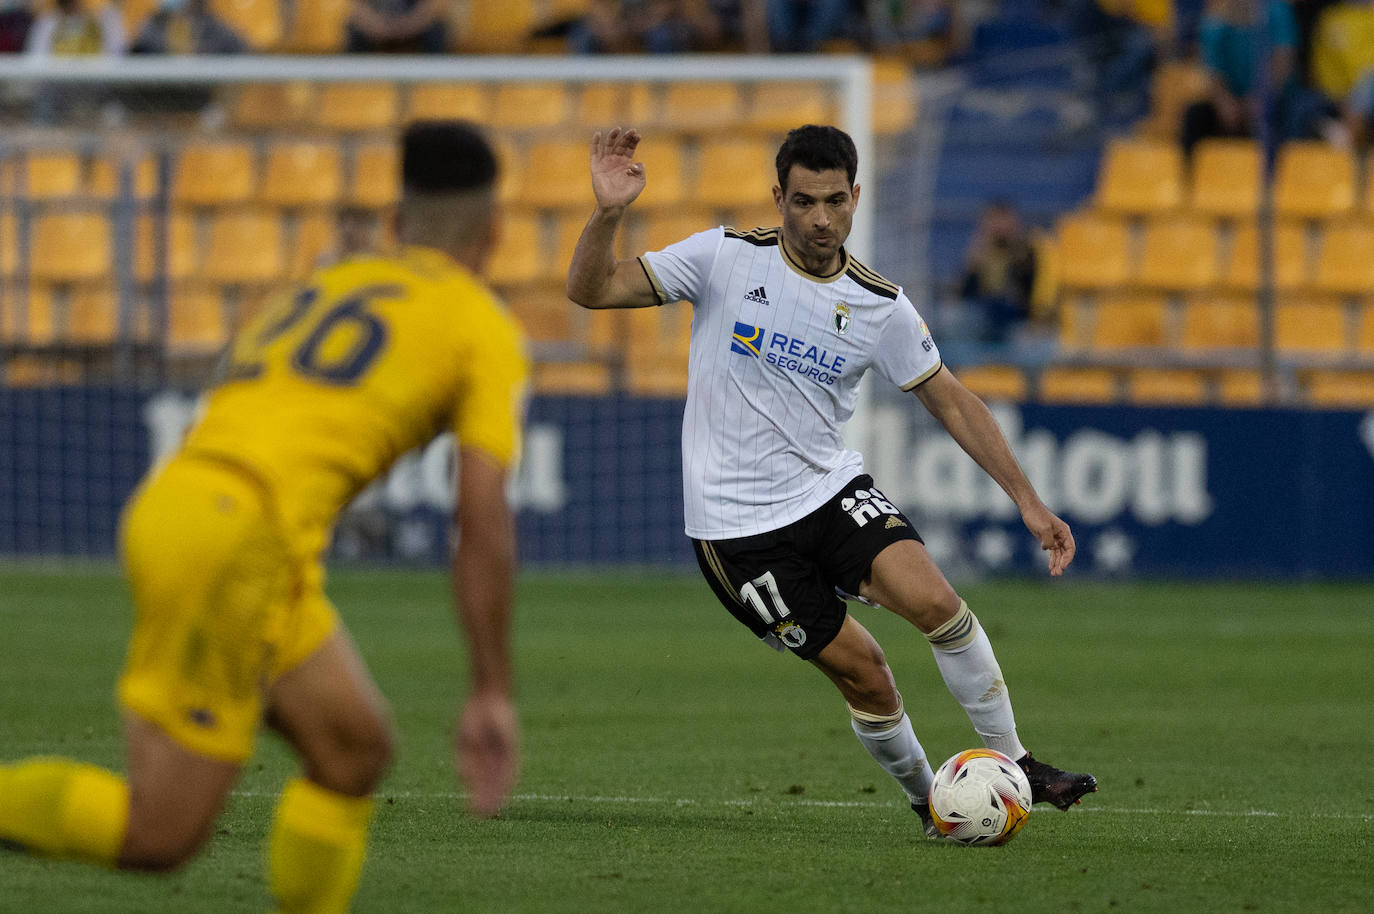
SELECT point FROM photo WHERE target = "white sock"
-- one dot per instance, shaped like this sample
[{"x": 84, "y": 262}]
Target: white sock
[
  {"x": 966, "y": 661},
  {"x": 899, "y": 752}
]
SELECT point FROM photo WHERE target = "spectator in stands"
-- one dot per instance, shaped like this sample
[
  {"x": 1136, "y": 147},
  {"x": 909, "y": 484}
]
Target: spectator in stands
[
  {"x": 802, "y": 26},
  {"x": 1120, "y": 41},
  {"x": 186, "y": 27},
  {"x": 70, "y": 29},
  {"x": 999, "y": 272},
  {"x": 926, "y": 31},
  {"x": 652, "y": 26},
  {"x": 1343, "y": 64},
  {"x": 15, "y": 21},
  {"x": 397, "y": 26},
  {"x": 1243, "y": 96}
]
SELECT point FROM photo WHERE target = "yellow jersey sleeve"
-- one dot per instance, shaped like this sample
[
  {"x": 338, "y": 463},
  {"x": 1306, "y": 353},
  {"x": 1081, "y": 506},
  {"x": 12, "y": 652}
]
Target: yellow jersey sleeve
[{"x": 489, "y": 408}]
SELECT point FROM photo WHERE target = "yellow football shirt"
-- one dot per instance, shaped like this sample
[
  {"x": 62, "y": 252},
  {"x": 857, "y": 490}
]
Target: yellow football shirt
[{"x": 366, "y": 360}]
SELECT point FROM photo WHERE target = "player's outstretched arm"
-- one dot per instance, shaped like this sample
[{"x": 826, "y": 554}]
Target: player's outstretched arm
[
  {"x": 488, "y": 735},
  {"x": 970, "y": 423},
  {"x": 595, "y": 278}
]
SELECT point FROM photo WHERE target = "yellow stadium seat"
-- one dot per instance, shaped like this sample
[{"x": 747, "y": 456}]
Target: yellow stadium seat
[
  {"x": 1128, "y": 321},
  {"x": 1240, "y": 387},
  {"x": 180, "y": 256},
  {"x": 92, "y": 316},
  {"x": 135, "y": 13},
  {"x": 1003, "y": 383},
  {"x": 1093, "y": 251},
  {"x": 496, "y": 28},
  {"x": 663, "y": 229},
  {"x": 356, "y": 107},
  {"x": 317, "y": 26},
  {"x": 1175, "y": 86},
  {"x": 71, "y": 247},
  {"x": 556, "y": 174},
  {"x": 375, "y": 180},
  {"x": 1289, "y": 258},
  {"x": 519, "y": 256},
  {"x": 33, "y": 324},
  {"x": 210, "y": 173},
  {"x": 314, "y": 237},
  {"x": 584, "y": 379},
  {"x": 778, "y": 107},
  {"x": 601, "y": 106},
  {"x": 733, "y": 171},
  {"x": 244, "y": 248},
  {"x": 302, "y": 174},
  {"x": 753, "y": 215},
  {"x": 1064, "y": 384},
  {"x": 1075, "y": 317},
  {"x": 1140, "y": 176},
  {"x": 1178, "y": 253},
  {"x": 566, "y": 233},
  {"x": 693, "y": 106},
  {"x": 438, "y": 101},
  {"x": 544, "y": 313},
  {"x": 1227, "y": 178},
  {"x": 663, "y": 172},
  {"x": 41, "y": 174},
  {"x": 107, "y": 172},
  {"x": 271, "y": 106},
  {"x": 1364, "y": 336},
  {"x": 1346, "y": 263},
  {"x": 1313, "y": 180},
  {"x": 9, "y": 245},
  {"x": 258, "y": 22},
  {"x": 1310, "y": 326},
  {"x": 1340, "y": 389},
  {"x": 895, "y": 101},
  {"x": 526, "y": 106},
  {"x": 665, "y": 377},
  {"x": 1216, "y": 321},
  {"x": 195, "y": 321},
  {"x": 1166, "y": 387}
]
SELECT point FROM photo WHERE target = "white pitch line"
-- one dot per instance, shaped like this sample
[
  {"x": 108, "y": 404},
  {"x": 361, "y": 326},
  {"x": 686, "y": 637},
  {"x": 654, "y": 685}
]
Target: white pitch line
[{"x": 841, "y": 804}]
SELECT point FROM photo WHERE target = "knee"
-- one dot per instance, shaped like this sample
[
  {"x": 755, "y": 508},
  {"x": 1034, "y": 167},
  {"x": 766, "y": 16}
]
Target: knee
[
  {"x": 358, "y": 755},
  {"x": 161, "y": 844},
  {"x": 931, "y": 609}
]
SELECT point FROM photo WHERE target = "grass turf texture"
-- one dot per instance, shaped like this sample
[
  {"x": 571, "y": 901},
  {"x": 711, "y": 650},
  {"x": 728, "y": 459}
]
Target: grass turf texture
[{"x": 672, "y": 764}]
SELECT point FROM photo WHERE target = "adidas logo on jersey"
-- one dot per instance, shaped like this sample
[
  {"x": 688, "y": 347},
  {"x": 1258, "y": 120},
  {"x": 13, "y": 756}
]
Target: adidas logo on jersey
[
  {"x": 758, "y": 295},
  {"x": 894, "y": 522}
]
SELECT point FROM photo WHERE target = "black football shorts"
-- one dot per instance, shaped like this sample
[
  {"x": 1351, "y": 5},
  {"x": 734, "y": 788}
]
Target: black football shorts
[{"x": 782, "y": 584}]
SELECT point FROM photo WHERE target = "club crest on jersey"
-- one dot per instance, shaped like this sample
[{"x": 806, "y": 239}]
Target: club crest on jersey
[
  {"x": 840, "y": 320},
  {"x": 746, "y": 340}
]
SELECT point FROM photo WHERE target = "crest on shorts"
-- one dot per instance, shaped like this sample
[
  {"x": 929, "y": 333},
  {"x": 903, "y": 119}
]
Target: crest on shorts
[
  {"x": 840, "y": 320},
  {"x": 790, "y": 634}
]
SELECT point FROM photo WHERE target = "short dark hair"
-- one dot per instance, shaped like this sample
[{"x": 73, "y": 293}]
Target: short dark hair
[
  {"x": 817, "y": 148},
  {"x": 446, "y": 157}
]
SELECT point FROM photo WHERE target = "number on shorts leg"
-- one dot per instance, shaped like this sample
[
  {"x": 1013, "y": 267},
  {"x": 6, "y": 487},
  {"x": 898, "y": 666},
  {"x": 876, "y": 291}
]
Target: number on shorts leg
[{"x": 757, "y": 601}]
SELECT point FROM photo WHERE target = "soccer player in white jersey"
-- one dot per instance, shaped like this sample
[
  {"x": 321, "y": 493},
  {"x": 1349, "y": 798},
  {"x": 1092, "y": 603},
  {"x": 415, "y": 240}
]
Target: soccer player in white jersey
[{"x": 781, "y": 515}]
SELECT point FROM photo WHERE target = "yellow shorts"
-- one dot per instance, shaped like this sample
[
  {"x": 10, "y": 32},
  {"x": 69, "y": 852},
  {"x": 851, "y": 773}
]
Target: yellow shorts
[{"x": 222, "y": 607}]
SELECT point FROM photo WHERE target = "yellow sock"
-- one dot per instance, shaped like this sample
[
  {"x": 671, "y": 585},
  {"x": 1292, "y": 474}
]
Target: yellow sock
[
  {"x": 64, "y": 809},
  {"x": 315, "y": 854}
]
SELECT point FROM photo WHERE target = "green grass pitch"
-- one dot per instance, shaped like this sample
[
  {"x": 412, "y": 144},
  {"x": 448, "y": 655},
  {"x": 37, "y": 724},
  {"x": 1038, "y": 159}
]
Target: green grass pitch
[{"x": 673, "y": 764}]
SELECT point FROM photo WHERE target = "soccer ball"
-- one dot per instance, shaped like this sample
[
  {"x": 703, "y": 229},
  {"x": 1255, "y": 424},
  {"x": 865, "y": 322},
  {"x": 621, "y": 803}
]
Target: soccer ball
[{"x": 980, "y": 797}]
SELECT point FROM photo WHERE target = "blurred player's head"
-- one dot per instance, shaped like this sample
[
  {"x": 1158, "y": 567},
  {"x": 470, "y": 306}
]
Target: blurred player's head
[
  {"x": 448, "y": 190},
  {"x": 816, "y": 195}
]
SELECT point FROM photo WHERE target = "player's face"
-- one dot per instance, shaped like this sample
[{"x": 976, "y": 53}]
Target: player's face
[{"x": 817, "y": 212}]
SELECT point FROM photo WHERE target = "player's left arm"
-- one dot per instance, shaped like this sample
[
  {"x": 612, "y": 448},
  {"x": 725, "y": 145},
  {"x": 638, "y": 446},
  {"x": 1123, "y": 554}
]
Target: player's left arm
[{"x": 970, "y": 423}]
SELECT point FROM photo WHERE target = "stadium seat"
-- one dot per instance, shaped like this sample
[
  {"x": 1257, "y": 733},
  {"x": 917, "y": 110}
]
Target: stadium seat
[
  {"x": 41, "y": 174},
  {"x": 107, "y": 173},
  {"x": 777, "y": 107},
  {"x": 663, "y": 229},
  {"x": 1364, "y": 336},
  {"x": 71, "y": 247},
  {"x": 135, "y": 13},
  {"x": 356, "y": 107},
  {"x": 734, "y": 171},
  {"x": 759, "y": 214},
  {"x": 1166, "y": 387},
  {"x": 258, "y": 22},
  {"x": 695, "y": 106},
  {"x": 1093, "y": 251},
  {"x": 1227, "y": 178},
  {"x": 317, "y": 26},
  {"x": 375, "y": 179},
  {"x": 313, "y": 237},
  {"x": 544, "y": 313},
  {"x": 1178, "y": 253},
  {"x": 1340, "y": 389},
  {"x": 1001, "y": 383},
  {"x": 1289, "y": 258},
  {"x": 1063, "y": 384},
  {"x": 601, "y": 105},
  {"x": 271, "y": 106},
  {"x": 1216, "y": 321},
  {"x": 1346, "y": 263},
  {"x": 1140, "y": 176},
  {"x": 528, "y": 106},
  {"x": 1310, "y": 326},
  {"x": 195, "y": 321},
  {"x": 496, "y": 28},
  {"x": 1313, "y": 180},
  {"x": 556, "y": 175},
  {"x": 244, "y": 248},
  {"x": 467, "y": 101},
  {"x": 302, "y": 174},
  {"x": 1126, "y": 321},
  {"x": 584, "y": 379},
  {"x": 518, "y": 256},
  {"x": 1240, "y": 387},
  {"x": 665, "y": 377},
  {"x": 566, "y": 233},
  {"x": 1075, "y": 317},
  {"x": 29, "y": 319},
  {"x": 211, "y": 173},
  {"x": 180, "y": 258},
  {"x": 1176, "y": 85},
  {"x": 665, "y": 184},
  {"x": 92, "y": 316},
  {"x": 9, "y": 245},
  {"x": 895, "y": 100}
]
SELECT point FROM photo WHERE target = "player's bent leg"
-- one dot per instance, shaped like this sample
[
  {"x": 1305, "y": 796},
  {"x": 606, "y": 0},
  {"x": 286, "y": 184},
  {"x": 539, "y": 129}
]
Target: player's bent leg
[
  {"x": 333, "y": 715},
  {"x": 62, "y": 808},
  {"x": 905, "y": 580}
]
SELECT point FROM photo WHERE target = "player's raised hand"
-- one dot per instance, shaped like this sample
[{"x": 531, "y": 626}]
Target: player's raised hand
[
  {"x": 617, "y": 178},
  {"x": 488, "y": 751},
  {"x": 1054, "y": 535}
]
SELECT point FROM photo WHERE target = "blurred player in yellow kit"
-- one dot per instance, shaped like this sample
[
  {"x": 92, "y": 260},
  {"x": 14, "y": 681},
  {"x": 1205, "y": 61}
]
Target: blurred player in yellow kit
[{"x": 222, "y": 547}]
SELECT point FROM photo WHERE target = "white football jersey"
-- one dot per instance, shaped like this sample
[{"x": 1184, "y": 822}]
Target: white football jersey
[{"x": 776, "y": 358}]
